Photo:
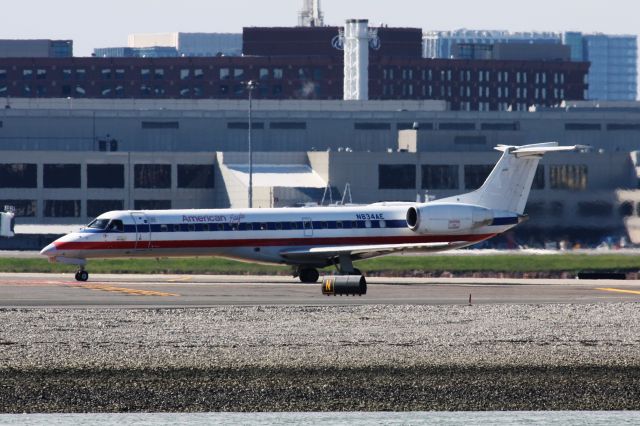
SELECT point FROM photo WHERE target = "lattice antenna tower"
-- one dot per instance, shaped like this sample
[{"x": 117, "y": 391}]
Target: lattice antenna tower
[{"x": 310, "y": 15}]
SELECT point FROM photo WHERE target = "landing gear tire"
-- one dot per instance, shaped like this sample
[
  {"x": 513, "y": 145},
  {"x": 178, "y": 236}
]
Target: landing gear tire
[
  {"x": 82, "y": 275},
  {"x": 309, "y": 275}
]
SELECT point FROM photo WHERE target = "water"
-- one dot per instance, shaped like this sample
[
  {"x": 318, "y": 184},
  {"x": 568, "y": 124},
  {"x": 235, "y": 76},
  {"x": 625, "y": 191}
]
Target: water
[{"x": 568, "y": 418}]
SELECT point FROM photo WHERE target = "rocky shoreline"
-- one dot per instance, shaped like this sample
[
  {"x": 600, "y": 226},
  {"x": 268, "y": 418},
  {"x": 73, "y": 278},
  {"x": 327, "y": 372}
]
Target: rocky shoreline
[{"x": 297, "y": 358}]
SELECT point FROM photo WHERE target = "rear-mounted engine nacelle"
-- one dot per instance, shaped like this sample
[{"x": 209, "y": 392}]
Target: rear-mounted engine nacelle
[{"x": 445, "y": 218}]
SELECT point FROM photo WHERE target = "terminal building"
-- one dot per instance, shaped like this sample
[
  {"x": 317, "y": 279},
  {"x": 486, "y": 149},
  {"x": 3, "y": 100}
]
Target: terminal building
[{"x": 67, "y": 160}]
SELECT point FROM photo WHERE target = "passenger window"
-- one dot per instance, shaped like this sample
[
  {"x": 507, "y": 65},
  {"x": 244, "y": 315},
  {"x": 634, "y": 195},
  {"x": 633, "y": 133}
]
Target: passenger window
[
  {"x": 263, "y": 226},
  {"x": 249, "y": 227},
  {"x": 221, "y": 227},
  {"x": 294, "y": 225},
  {"x": 164, "y": 228},
  {"x": 367, "y": 223},
  {"x": 278, "y": 226},
  {"x": 176, "y": 228},
  {"x": 192, "y": 228},
  {"x": 116, "y": 226},
  {"x": 354, "y": 224},
  {"x": 383, "y": 224},
  {"x": 339, "y": 225},
  {"x": 205, "y": 227},
  {"x": 324, "y": 225}
]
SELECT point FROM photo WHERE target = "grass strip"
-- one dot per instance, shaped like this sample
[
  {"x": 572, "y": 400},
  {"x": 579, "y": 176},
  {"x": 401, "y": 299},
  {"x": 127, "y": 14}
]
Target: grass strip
[{"x": 496, "y": 263}]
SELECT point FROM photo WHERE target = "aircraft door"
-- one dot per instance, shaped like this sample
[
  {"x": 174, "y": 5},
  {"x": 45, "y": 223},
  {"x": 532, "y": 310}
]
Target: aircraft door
[
  {"x": 307, "y": 224},
  {"x": 143, "y": 231}
]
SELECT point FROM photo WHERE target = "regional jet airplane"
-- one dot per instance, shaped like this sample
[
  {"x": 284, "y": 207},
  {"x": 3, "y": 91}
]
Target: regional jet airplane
[{"x": 312, "y": 238}]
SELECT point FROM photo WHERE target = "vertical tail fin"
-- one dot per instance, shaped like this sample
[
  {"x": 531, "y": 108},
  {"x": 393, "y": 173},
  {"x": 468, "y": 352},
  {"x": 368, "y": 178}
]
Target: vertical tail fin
[{"x": 508, "y": 185}]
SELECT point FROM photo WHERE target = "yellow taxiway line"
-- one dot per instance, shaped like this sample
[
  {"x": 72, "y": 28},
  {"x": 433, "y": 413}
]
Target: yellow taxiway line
[
  {"x": 619, "y": 290},
  {"x": 175, "y": 280},
  {"x": 129, "y": 291}
]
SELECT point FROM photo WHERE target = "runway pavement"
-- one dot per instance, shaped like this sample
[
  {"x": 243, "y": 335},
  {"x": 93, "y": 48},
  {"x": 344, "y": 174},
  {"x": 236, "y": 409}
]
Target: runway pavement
[{"x": 144, "y": 291}]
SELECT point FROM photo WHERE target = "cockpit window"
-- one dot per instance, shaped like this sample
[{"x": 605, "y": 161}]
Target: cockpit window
[
  {"x": 98, "y": 224},
  {"x": 116, "y": 226}
]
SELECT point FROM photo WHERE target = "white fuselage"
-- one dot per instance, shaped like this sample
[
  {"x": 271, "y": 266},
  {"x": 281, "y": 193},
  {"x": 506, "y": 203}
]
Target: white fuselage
[{"x": 257, "y": 235}]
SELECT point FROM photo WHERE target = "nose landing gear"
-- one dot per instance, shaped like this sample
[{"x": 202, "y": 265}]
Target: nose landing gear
[{"x": 82, "y": 275}]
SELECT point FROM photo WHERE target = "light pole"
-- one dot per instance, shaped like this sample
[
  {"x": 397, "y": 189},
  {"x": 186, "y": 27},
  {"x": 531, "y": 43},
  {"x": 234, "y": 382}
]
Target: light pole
[{"x": 250, "y": 86}]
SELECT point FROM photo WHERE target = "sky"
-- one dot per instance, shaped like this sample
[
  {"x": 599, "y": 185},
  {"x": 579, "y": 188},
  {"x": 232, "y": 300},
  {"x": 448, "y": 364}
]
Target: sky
[{"x": 92, "y": 24}]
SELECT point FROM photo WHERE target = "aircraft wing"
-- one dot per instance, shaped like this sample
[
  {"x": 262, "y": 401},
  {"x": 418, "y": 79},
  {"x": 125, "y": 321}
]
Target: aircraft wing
[{"x": 367, "y": 251}]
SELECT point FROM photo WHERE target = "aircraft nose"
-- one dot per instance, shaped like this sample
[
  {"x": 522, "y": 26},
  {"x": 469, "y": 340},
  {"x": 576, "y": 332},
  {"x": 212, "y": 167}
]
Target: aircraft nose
[{"x": 49, "y": 251}]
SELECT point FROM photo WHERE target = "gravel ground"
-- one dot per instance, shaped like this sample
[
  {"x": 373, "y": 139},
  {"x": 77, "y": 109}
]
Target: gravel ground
[{"x": 294, "y": 358}]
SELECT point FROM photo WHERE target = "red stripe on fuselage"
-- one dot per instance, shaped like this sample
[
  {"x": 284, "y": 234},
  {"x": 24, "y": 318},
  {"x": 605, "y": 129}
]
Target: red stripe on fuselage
[{"x": 272, "y": 242}]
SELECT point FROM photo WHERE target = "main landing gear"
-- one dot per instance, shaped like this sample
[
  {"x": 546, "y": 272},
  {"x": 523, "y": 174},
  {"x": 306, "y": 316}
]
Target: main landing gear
[
  {"x": 308, "y": 275},
  {"x": 343, "y": 264},
  {"x": 82, "y": 275}
]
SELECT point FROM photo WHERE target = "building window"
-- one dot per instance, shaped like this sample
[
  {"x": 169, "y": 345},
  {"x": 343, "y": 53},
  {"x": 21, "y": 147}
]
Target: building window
[
  {"x": 18, "y": 175},
  {"x": 158, "y": 74},
  {"x": 238, "y": 73},
  {"x": 475, "y": 175},
  {"x": 62, "y": 208},
  {"x": 625, "y": 209},
  {"x": 224, "y": 74},
  {"x": 457, "y": 126},
  {"x": 595, "y": 209},
  {"x": 27, "y": 74},
  {"x": 145, "y": 73},
  {"x": 623, "y": 126},
  {"x": 61, "y": 176},
  {"x": 119, "y": 74},
  {"x": 198, "y": 73},
  {"x": 96, "y": 207},
  {"x": 372, "y": 126},
  {"x": 195, "y": 176},
  {"x": 278, "y": 73},
  {"x": 582, "y": 126},
  {"x": 81, "y": 74},
  {"x": 538, "y": 178},
  {"x": 264, "y": 73},
  {"x": 569, "y": 176},
  {"x": 160, "y": 125},
  {"x": 185, "y": 73},
  {"x": 66, "y": 74},
  {"x": 3, "y": 74},
  {"x": 106, "y": 73},
  {"x": 396, "y": 176},
  {"x": 288, "y": 125},
  {"x": 80, "y": 91},
  {"x": 105, "y": 176},
  {"x": 439, "y": 176},
  {"x": 244, "y": 125},
  {"x": 409, "y": 126},
  {"x": 152, "y": 175},
  {"x": 152, "y": 204},
  {"x": 41, "y": 74},
  {"x": 23, "y": 208}
]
